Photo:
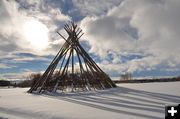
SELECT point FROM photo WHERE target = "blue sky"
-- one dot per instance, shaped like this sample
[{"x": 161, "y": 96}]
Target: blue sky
[{"x": 136, "y": 36}]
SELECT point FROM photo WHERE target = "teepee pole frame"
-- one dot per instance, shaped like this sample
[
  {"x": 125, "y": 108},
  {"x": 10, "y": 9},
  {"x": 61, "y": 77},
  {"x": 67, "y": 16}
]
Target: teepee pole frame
[{"x": 90, "y": 75}]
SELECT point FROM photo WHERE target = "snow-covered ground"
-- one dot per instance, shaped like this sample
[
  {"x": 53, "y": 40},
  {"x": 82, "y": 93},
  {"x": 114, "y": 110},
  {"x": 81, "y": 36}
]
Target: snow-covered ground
[{"x": 128, "y": 101}]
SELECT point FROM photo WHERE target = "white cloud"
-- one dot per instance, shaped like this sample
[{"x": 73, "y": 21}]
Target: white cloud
[
  {"x": 159, "y": 30},
  {"x": 107, "y": 33},
  {"x": 150, "y": 28},
  {"x": 95, "y": 7},
  {"x": 14, "y": 16}
]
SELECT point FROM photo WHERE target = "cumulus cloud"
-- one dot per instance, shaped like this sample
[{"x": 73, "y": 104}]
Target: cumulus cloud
[
  {"x": 15, "y": 15},
  {"x": 150, "y": 28},
  {"x": 108, "y": 33},
  {"x": 158, "y": 28},
  {"x": 94, "y": 7}
]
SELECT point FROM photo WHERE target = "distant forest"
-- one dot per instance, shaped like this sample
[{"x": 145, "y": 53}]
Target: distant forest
[
  {"x": 170, "y": 79},
  {"x": 34, "y": 77}
]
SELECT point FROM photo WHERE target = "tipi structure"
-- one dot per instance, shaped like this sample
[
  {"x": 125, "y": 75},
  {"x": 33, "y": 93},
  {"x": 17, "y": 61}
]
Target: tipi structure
[{"x": 72, "y": 69}]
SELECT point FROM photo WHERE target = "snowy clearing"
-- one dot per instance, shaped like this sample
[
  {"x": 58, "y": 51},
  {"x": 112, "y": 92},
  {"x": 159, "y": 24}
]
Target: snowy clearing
[{"x": 128, "y": 101}]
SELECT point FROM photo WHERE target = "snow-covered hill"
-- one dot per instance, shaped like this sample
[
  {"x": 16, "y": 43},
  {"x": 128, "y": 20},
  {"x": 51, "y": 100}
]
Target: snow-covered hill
[{"x": 128, "y": 101}]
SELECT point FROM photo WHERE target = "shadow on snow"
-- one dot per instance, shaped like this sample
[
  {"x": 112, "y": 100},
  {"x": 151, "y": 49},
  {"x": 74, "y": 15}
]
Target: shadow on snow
[{"x": 114, "y": 100}]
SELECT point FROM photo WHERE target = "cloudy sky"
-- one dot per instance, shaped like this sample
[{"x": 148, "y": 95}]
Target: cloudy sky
[{"x": 136, "y": 36}]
